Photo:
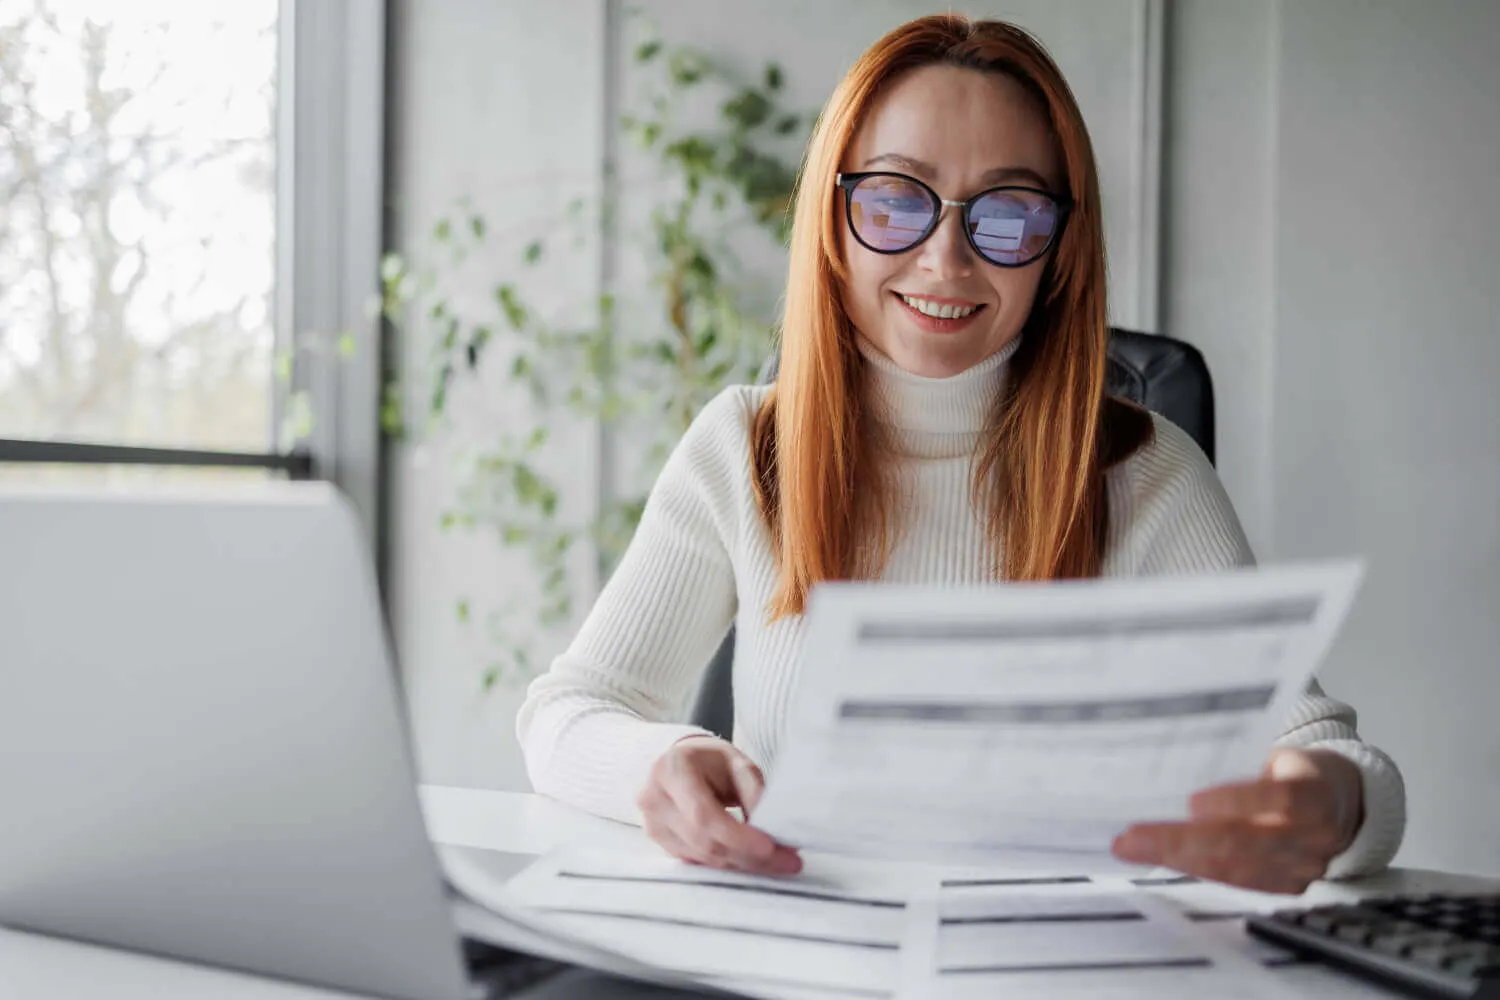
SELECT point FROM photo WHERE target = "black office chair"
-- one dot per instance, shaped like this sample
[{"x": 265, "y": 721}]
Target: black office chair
[{"x": 1166, "y": 376}]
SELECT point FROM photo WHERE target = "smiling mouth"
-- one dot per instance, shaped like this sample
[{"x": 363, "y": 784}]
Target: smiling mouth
[
  {"x": 939, "y": 309},
  {"x": 939, "y": 315}
]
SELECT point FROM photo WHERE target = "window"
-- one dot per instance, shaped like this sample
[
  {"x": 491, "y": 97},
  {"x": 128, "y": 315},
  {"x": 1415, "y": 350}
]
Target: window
[
  {"x": 189, "y": 190},
  {"x": 137, "y": 223}
]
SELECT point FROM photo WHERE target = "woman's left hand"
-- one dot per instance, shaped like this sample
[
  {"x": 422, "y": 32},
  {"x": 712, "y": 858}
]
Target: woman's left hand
[{"x": 1276, "y": 834}]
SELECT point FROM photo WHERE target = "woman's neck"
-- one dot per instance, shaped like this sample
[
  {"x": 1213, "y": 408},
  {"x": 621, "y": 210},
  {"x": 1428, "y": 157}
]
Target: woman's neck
[{"x": 934, "y": 417}]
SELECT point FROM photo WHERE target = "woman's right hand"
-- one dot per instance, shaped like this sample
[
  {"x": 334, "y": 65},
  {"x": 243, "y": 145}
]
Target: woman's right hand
[{"x": 685, "y": 807}]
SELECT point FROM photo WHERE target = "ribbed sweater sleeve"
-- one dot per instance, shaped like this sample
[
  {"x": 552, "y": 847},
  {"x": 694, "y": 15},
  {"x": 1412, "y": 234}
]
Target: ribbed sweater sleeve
[{"x": 592, "y": 726}]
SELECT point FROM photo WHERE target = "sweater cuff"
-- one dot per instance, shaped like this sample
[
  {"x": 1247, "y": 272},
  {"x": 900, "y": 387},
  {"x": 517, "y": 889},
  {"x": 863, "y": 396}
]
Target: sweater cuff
[
  {"x": 1384, "y": 824},
  {"x": 610, "y": 786}
]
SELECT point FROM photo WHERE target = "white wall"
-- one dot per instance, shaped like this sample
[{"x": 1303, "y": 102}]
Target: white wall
[
  {"x": 1218, "y": 224},
  {"x": 492, "y": 97},
  {"x": 493, "y": 102},
  {"x": 1333, "y": 233}
]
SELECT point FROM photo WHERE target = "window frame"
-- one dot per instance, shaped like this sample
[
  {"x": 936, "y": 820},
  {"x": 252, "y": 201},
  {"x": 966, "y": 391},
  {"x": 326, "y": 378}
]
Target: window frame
[{"x": 329, "y": 212}]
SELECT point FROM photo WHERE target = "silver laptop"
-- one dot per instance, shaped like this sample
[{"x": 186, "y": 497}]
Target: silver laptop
[{"x": 202, "y": 751}]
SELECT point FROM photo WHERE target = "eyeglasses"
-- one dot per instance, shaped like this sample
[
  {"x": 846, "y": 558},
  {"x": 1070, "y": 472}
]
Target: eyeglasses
[{"x": 1007, "y": 226}]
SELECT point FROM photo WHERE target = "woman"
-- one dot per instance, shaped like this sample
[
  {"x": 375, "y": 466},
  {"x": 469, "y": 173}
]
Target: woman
[{"x": 939, "y": 417}]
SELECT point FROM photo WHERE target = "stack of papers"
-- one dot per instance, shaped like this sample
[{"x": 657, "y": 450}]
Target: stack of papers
[{"x": 846, "y": 928}]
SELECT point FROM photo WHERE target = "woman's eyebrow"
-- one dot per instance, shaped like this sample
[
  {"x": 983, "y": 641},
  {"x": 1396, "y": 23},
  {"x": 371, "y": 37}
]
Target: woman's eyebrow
[
  {"x": 1025, "y": 175},
  {"x": 907, "y": 163},
  {"x": 926, "y": 171}
]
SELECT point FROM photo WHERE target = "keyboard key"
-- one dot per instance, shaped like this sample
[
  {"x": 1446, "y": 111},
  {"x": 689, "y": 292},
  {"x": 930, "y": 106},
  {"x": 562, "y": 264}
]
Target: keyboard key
[
  {"x": 1482, "y": 953},
  {"x": 1403, "y": 943},
  {"x": 1325, "y": 923},
  {"x": 1475, "y": 968},
  {"x": 1435, "y": 954}
]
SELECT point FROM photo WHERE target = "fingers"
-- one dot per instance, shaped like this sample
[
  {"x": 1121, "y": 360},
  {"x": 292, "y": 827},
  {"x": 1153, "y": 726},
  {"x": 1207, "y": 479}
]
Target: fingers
[
  {"x": 706, "y": 825},
  {"x": 684, "y": 810},
  {"x": 665, "y": 825},
  {"x": 1306, "y": 808},
  {"x": 1246, "y": 854},
  {"x": 1274, "y": 834},
  {"x": 659, "y": 829},
  {"x": 1298, "y": 801},
  {"x": 748, "y": 782}
]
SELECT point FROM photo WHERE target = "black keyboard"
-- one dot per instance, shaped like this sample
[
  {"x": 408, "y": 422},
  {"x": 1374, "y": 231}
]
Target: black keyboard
[
  {"x": 1433, "y": 945},
  {"x": 496, "y": 972}
]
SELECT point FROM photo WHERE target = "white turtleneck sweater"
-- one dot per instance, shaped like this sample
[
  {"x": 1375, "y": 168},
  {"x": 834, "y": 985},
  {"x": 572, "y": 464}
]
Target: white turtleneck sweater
[{"x": 592, "y": 726}]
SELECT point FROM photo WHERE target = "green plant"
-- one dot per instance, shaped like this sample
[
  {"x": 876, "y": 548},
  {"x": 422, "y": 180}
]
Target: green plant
[{"x": 703, "y": 325}]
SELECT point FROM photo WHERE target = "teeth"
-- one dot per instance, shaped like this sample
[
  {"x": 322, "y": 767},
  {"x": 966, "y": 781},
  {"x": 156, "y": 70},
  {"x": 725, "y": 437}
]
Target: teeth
[{"x": 937, "y": 310}]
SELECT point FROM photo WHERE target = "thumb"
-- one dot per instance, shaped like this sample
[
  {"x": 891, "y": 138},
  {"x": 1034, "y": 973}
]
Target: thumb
[
  {"x": 1290, "y": 764},
  {"x": 748, "y": 781}
]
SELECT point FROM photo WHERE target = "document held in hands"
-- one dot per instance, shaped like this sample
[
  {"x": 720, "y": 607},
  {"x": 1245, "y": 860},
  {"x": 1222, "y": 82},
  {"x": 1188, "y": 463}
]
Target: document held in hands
[{"x": 1030, "y": 724}]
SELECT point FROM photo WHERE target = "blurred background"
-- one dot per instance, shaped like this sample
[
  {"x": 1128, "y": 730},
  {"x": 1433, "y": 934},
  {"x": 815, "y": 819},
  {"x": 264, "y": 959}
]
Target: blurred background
[{"x": 479, "y": 261}]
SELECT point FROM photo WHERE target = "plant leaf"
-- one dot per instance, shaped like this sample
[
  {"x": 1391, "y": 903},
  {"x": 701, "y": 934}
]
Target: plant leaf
[
  {"x": 747, "y": 109},
  {"x": 477, "y": 341},
  {"x": 440, "y": 388},
  {"x": 527, "y": 483},
  {"x": 297, "y": 425},
  {"x": 685, "y": 68},
  {"x": 510, "y": 304}
]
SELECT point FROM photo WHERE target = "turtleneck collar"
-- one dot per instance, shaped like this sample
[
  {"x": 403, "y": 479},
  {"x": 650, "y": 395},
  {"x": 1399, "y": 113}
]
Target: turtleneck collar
[{"x": 935, "y": 417}]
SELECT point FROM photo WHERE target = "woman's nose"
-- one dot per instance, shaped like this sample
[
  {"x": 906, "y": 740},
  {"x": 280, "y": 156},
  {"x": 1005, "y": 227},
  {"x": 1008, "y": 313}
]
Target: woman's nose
[{"x": 946, "y": 253}]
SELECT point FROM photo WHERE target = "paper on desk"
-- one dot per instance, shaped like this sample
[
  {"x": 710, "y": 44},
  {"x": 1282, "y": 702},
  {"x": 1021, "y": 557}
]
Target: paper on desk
[
  {"x": 846, "y": 927},
  {"x": 1038, "y": 721}
]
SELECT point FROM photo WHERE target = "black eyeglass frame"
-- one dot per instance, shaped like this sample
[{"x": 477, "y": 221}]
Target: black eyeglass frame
[{"x": 848, "y": 182}]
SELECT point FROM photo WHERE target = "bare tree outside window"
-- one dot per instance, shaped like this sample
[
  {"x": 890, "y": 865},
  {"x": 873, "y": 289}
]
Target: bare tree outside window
[{"x": 137, "y": 221}]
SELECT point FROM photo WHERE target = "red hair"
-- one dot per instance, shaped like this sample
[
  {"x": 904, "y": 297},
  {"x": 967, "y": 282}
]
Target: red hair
[{"x": 1039, "y": 472}]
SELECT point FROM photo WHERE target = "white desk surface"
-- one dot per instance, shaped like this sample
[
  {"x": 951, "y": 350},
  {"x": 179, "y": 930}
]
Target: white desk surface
[{"x": 33, "y": 967}]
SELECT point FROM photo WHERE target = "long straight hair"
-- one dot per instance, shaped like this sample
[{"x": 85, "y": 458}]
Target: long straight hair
[{"x": 1038, "y": 474}]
